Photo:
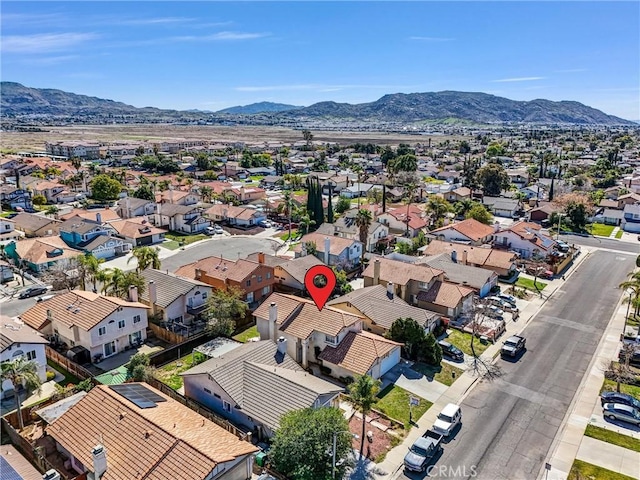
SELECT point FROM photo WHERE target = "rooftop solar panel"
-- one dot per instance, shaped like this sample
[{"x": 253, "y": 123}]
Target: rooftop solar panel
[
  {"x": 138, "y": 394},
  {"x": 7, "y": 472}
]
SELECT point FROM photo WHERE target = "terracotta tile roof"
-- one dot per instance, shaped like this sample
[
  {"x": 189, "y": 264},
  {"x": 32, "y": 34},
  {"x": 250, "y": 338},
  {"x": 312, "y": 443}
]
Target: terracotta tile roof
[
  {"x": 135, "y": 228},
  {"x": 38, "y": 250},
  {"x": 177, "y": 442},
  {"x": 46, "y": 185},
  {"x": 417, "y": 218},
  {"x": 337, "y": 244},
  {"x": 14, "y": 331},
  {"x": 445, "y": 294},
  {"x": 487, "y": 257},
  {"x": 106, "y": 214},
  {"x": 401, "y": 273},
  {"x": 300, "y": 317},
  {"x": 470, "y": 228},
  {"x": 531, "y": 232},
  {"x": 220, "y": 268},
  {"x": 462, "y": 191},
  {"x": 358, "y": 352},
  {"x": 92, "y": 309}
]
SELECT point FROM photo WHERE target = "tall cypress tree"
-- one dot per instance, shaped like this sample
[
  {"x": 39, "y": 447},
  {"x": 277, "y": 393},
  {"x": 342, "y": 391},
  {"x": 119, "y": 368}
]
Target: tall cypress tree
[
  {"x": 319, "y": 209},
  {"x": 330, "y": 206}
]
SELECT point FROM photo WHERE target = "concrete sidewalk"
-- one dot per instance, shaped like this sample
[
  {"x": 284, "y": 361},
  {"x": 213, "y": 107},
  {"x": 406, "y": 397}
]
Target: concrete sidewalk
[{"x": 611, "y": 457}]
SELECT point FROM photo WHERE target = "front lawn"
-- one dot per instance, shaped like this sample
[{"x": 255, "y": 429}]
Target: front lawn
[
  {"x": 528, "y": 284},
  {"x": 443, "y": 373},
  {"x": 394, "y": 402},
  {"x": 619, "y": 234},
  {"x": 185, "y": 239},
  {"x": 285, "y": 235},
  {"x": 612, "y": 437},
  {"x": 170, "y": 373},
  {"x": 68, "y": 377},
  {"x": 601, "y": 229},
  {"x": 582, "y": 471},
  {"x": 171, "y": 245},
  {"x": 610, "y": 386},
  {"x": 245, "y": 335},
  {"x": 462, "y": 340}
]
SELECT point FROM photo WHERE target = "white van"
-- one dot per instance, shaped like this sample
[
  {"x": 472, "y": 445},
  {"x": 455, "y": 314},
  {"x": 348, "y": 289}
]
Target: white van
[{"x": 448, "y": 419}]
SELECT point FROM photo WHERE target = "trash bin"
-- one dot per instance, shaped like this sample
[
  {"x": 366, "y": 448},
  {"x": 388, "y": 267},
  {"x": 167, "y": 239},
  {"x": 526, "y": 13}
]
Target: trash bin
[{"x": 261, "y": 459}]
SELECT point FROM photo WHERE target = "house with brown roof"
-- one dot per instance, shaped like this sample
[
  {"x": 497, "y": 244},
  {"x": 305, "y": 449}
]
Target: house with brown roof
[
  {"x": 36, "y": 225},
  {"x": 138, "y": 231},
  {"x": 243, "y": 217},
  {"x": 140, "y": 433},
  {"x": 333, "y": 251},
  {"x": 48, "y": 189},
  {"x": 459, "y": 194},
  {"x": 525, "y": 238},
  {"x": 500, "y": 261},
  {"x": 448, "y": 299},
  {"x": 254, "y": 278},
  {"x": 468, "y": 231},
  {"x": 289, "y": 274},
  {"x": 179, "y": 197},
  {"x": 396, "y": 220},
  {"x": 40, "y": 254},
  {"x": 314, "y": 336},
  {"x": 181, "y": 218},
  {"x": 103, "y": 325},
  {"x": 100, "y": 215}
]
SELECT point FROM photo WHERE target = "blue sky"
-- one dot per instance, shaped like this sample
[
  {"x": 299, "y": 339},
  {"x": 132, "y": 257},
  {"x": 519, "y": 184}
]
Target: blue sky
[{"x": 211, "y": 55}]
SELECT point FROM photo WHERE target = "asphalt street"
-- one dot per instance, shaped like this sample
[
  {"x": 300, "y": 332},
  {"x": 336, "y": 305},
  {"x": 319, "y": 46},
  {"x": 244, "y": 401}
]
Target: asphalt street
[
  {"x": 509, "y": 423},
  {"x": 16, "y": 306},
  {"x": 601, "y": 242}
]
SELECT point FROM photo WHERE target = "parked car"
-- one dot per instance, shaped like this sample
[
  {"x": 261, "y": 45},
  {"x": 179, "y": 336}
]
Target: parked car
[
  {"x": 422, "y": 450},
  {"x": 448, "y": 419},
  {"x": 634, "y": 357},
  {"x": 451, "y": 351},
  {"x": 209, "y": 231},
  {"x": 507, "y": 298},
  {"x": 33, "y": 291},
  {"x": 563, "y": 247},
  {"x": 622, "y": 398},
  {"x": 217, "y": 229},
  {"x": 265, "y": 224},
  {"x": 493, "y": 311},
  {"x": 618, "y": 411},
  {"x": 513, "y": 346}
]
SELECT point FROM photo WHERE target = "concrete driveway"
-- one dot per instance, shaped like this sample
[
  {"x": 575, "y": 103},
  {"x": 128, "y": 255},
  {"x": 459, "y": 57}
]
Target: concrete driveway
[{"x": 405, "y": 377}]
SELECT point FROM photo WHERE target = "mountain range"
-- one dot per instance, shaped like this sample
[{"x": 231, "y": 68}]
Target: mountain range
[{"x": 18, "y": 101}]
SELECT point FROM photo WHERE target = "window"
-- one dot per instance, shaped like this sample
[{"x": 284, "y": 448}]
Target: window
[
  {"x": 259, "y": 278},
  {"x": 216, "y": 395},
  {"x": 268, "y": 275},
  {"x": 204, "y": 295},
  {"x": 120, "y": 323},
  {"x": 265, "y": 291},
  {"x": 330, "y": 339},
  {"x": 207, "y": 390},
  {"x": 226, "y": 405},
  {"x": 102, "y": 331},
  {"x": 248, "y": 283},
  {"x": 31, "y": 355},
  {"x": 136, "y": 319},
  {"x": 250, "y": 297}
]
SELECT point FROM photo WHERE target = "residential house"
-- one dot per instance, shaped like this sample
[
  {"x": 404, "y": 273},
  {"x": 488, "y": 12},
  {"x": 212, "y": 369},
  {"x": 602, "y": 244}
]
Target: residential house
[
  {"x": 121, "y": 432},
  {"x": 631, "y": 219},
  {"x": 612, "y": 216},
  {"x": 242, "y": 217},
  {"x": 255, "y": 384},
  {"x": 103, "y": 325},
  {"x": 49, "y": 190},
  {"x": 479, "y": 279},
  {"x": 318, "y": 336},
  {"x": 15, "y": 197},
  {"x": 519, "y": 178},
  {"x": 138, "y": 231},
  {"x": 248, "y": 194},
  {"x": 502, "y": 206},
  {"x": 77, "y": 232},
  {"x": 179, "y": 197},
  {"x": 609, "y": 203},
  {"x": 36, "y": 225},
  {"x": 130, "y": 207},
  {"x": 99, "y": 215},
  {"x": 499, "y": 261},
  {"x": 541, "y": 213},
  {"x": 532, "y": 192},
  {"x": 254, "y": 279},
  {"x": 20, "y": 340},
  {"x": 628, "y": 199},
  {"x": 15, "y": 465},
  {"x": 396, "y": 220},
  {"x": 262, "y": 171},
  {"x": 358, "y": 190},
  {"x": 448, "y": 299},
  {"x": 40, "y": 254},
  {"x": 8, "y": 231},
  {"x": 526, "y": 239},
  {"x": 458, "y": 195},
  {"x": 333, "y": 251},
  {"x": 106, "y": 247},
  {"x": 174, "y": 299},
  {"x": 345, "y": 227},
  {"x": 380, "y": 307},
  {"x": 289, "y": 274},
  {"x": 468, "y": 231},
  {"x": 271, "y": 181},
  {"x": 181, "y": 218}
]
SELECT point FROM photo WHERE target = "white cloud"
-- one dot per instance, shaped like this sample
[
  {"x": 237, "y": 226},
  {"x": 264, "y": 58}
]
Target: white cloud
[
  {"x": 157, "y": 21},
  {"x": 572, "y": 70},
  {"x": 221, "y": 36},
  {"x": 518, "y": 79},
  {"x": 431, "y": 39},
  {"x": 43, "y": 42},
  {"x": 53, "y": 60}
]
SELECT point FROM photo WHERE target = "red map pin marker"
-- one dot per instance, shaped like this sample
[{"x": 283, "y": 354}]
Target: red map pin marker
[{"x": 320, "y": 281}]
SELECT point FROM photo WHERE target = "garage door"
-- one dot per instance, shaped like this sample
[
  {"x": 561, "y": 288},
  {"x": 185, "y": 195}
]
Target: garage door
[{"x": 388, "y": 363}]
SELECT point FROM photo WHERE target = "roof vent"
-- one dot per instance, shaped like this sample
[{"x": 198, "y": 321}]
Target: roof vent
[{"x": 147, "y": 434}]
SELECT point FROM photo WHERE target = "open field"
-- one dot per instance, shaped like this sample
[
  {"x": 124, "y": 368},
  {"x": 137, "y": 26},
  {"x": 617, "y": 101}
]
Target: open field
[{"x": 35, "y": 141}]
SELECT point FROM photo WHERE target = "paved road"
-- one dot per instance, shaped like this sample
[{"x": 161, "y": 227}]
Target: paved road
[
  {"x": 15, "y": 306},
  {"x": 509, "y": 424},
  {"x": 600, "y": 242},
  {"x": 229, "y": 247}
]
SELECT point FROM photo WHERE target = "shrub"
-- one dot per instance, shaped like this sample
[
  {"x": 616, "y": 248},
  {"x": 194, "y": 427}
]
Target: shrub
[{"x": 50, "y": 375}]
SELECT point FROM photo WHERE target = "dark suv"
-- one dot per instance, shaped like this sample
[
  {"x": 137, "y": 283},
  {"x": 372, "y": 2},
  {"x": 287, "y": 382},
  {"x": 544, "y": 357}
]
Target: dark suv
[
  {"x": 450, "y": 351},
  {"x": 33, "y": 291},
  {"x": 620, "y": 398}
]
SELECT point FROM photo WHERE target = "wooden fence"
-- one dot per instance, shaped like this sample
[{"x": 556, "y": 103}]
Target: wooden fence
[
  {"x": 69, "y": 365},
  {"x": 170, "y": 354},
  {"x": 166, "y": 335}
]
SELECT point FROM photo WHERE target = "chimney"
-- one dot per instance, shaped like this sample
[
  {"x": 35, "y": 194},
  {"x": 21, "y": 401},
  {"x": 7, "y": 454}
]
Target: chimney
[
  {"x": 127, "y": 207},
  {"x": 282, "y": 345},
  {"x": 273, "y": 318},
  {"x": 376, "y": 272},
  {"x": 327, "y": 249},
  {"x": 133, "y": 293},
  {"x": 261, "y": 258},
  {"x": 454, "y": 256},
  {"x": 496, "y": 227},
  {"x": 304, "y": 249},
  {"x": 99, "y": 455},
  {"x": 390, "y": 290},
  {"x": 153, "y": 293},
  {"x": 464, "y": 257},
  {"x": 99, "y": 218}
]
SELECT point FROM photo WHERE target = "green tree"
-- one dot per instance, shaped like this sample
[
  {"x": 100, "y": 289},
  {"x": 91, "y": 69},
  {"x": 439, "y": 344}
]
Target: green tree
[
  {"x": 342, "y": 282},
  {"x": 577, "y": 214},
  {"x": 21, "y": 372},
  {"x": 438, "y": 207},
  {"x": 330, "y": 207},
  {"x": 147, "y": 257},
  {"x": 116, "y": 282},
  {"x": 480, "y": 213},
  {"x": 104, "y": 188},
  {"x": 363, "y": 222},
  {"x": 495, "y": 150},
  {"x": 343, "y": 205},
  {"x": 430, "y": 350},
  {"x": 408, "y": 332},
  {"x": 206, "y": 192},
  {"x": 462, "y": 207},
  {"x": 39, "y": 200},
  {"x": 302, "y": 446},
  {"x": 363, "y": 394},
  {"x": 139, "y": 368},
  {"x": 305, "y": 223},
  {"x": 51, "y": 210},
  {"x": 308, "y": 137},
  {"x": 403, "y": 163},
  {"x": 145, "y": 192},
  {"x": 224, "y": 307},
  {"x": 89, "y": 267},
  {"x": 493, "y": 179}
]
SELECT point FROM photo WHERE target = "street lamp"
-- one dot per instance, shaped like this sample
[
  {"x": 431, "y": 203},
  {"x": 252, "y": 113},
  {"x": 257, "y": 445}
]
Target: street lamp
[
  {"x": 333, "y": 454},
  {"x": 560, "y": 215},
  {"x": 626, "y": 317}
]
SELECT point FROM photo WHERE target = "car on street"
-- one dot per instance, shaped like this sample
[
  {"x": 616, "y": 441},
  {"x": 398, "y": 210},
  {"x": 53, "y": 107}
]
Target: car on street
[
  {"x": 513, "y": 346},
  {"x": 33, "y": 291},
  {"x": 448, "y": 419},
  {"x": 422, "y": 451},
  {"x": 507, "y": 298},
  {"x": 622, "y": 398},
  {"x": 451, "y": 351},
  {"x": 618, "y": 411},
  {"x": 265, "y": 224},
  {"x": 217, "y": 229}
]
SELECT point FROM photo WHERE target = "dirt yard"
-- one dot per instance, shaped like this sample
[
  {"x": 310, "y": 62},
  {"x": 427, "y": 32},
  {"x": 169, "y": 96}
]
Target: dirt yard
[{"x": 382, "y": 441}]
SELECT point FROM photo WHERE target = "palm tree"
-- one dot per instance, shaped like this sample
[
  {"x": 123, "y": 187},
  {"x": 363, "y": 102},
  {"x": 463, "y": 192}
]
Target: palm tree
[
  {"x": 288, "y": 208},
  {"x": 146, "y": 257},
  {"x": 463, "y": 207},
  {"x": 206, "y": 192},
  {"x": 51, "y": 210},
  {"x": 90, "y": 268},
  {"x": 363, "y": 392},
  {"x": 633, "y": 284},
  {"x": 21, "y": 372},
  {"x": 363, "y": 222},
  {"x": 438, "y": 207},
  {"x": 76, "y": 162},
  {"x": 411, "y": 192},
  {"x": 305, "y": 223},
  {"x": 117, "y": 282}
]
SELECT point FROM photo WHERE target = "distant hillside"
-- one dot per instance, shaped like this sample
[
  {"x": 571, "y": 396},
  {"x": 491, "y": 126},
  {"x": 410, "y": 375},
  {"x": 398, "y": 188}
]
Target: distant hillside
[
  {"x": 18, "y": 101},
  {"x": 476, "y": 107},
  {"x": 261, "y": 107}
]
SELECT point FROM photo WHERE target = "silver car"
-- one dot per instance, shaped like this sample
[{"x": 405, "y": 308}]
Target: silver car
[{"x": 618, "y": 411}]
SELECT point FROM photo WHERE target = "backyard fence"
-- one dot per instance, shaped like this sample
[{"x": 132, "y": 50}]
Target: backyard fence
[
  {"x": 167, "y": 335},
  {"x": 175, "y": 352},
  {"x": 69, "y": 365}
]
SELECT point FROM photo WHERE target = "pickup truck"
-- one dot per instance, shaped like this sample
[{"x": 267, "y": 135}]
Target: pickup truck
[
  {"x": 422, "y": 451},
  {"x": 513, "y": 346}
]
